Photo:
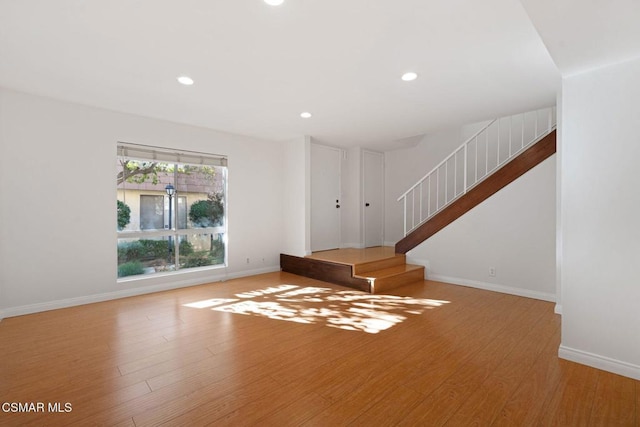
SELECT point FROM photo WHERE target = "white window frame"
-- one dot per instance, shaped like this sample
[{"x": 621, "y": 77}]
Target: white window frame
[{"x": 182, "y": 157}]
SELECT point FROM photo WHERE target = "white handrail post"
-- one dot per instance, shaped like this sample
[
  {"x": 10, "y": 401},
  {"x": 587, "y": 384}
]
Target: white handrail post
[
  {"x": 413, "y": 209},
  {"x": 498, "y": 148},
  {"x": 510, "y": 132},
  {"x": 446, "y": 182},
  {"x": 437, "y": 190},
  {"x": 486, "y": 154},
  {"x": 464, "y": 188},
  {"x": 455, "y": 175},
  {"x": 476, "y": 169},
  {"x": 405, "y": 215},
  {"x": 429, "y": 198},
  {"x": 523, "y": 120},
  {"x": 420, "y": 204}
]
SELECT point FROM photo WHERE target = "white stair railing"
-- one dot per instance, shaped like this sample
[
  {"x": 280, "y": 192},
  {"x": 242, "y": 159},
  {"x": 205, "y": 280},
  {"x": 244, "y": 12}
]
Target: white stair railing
[{"x": 493, "y": 146}]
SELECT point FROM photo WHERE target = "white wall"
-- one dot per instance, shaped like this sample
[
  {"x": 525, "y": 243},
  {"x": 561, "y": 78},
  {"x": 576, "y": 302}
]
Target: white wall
[
  {"x": 513, "y": 231},
  {"x": 601, "y": 218},
  {"x": 58, "y": 249},
  {"x": 296, "y": 198}
]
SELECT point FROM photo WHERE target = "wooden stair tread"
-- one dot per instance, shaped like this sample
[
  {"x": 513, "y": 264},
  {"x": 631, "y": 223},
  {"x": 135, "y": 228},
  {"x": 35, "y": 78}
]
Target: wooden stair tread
[
  {"x": 365, "y": 268},
  {"x": 391, "y": 271}
]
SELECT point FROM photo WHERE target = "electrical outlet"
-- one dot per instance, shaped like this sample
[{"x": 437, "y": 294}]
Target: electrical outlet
[{"x": 492, "y": 272}]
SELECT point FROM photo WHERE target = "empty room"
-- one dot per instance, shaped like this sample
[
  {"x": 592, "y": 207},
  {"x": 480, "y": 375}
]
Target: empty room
[{"x": 304, "y": 212}]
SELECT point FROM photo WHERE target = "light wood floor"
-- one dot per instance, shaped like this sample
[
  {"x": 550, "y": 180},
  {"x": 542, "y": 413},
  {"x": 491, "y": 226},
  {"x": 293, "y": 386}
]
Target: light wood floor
[
  {"x": 354, "y": 256},
  {"x": 305, "y": 353}
]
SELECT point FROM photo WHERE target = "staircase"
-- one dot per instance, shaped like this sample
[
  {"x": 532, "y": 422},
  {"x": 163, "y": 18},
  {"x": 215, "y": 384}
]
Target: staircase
[
  {"x": 495, "y": 156},
  {"x": 500, "y": 152},
  {"x": 372, "y": 270}
]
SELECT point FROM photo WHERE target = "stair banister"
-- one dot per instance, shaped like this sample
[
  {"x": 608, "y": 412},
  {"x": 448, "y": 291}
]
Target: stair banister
[
  {"x": 463, "y": 145},
  {"x": 477, "y": 176}
]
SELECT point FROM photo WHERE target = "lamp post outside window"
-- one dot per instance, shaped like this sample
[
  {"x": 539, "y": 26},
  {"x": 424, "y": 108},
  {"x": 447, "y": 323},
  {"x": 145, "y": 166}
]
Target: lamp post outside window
[{"x": 171, "y": 191}]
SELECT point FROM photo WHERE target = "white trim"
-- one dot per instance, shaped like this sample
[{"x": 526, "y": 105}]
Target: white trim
[
  {"x": 558, "y": 309},
  {"x": 494, "y": 287},
  {"x": 352, "y": 245},
  {"x": 600, "y": 362},
  {"x": 481, "y": 285},
  {"x": 389, "y": 243},
  {"x": 124, "y": 293}
]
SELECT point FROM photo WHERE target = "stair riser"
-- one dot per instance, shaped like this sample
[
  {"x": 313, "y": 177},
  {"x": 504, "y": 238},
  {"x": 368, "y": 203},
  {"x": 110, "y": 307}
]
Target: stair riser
[
  {"x": 360, "y": 269},
  {"x": 391, "y": 282}
]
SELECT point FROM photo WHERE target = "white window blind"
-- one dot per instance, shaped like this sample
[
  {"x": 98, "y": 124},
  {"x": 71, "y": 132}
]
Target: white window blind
[{"x": 138, "y": 151}]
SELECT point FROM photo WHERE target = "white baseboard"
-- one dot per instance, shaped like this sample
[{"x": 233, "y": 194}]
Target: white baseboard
[
  {"x": 124, "y": 293},
  {"x": 600, "y": 362},
  {"x": 558, "y": 309},
  {"x": 352, "y": 245},
  {"x": 481, "y": 285},
  {"x": 494, "y": 287}
]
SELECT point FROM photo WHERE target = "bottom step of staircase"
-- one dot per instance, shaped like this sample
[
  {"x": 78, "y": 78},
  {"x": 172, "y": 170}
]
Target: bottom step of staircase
[
  {"x": 371, "y": 270},
  {"x": 392, "y": 277}
]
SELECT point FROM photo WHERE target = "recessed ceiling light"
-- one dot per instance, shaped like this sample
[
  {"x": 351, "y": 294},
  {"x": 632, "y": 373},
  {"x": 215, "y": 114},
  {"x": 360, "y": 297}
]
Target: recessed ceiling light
[
  {"x": 185, "y": 80},
  {"x": 407, "y": 77},
  {"x": 274, "y": 2},
  {"x": 305, "y": 115}
]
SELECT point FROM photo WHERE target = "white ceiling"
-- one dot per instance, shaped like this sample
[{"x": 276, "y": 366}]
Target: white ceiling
[
  {"x": 257, "y": 67},
  {"x": 585, "y": 34}
]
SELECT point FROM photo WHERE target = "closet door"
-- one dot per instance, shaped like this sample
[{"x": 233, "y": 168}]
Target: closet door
[
  {"x": 373, "y": 198},
  {"x": 325, "y": 197}
]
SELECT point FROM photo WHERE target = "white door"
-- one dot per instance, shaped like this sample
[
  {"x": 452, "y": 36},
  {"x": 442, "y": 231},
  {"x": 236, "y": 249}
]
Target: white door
[
  {"x": 325, "y": 197},
  {"x": 373, "y": 198}
]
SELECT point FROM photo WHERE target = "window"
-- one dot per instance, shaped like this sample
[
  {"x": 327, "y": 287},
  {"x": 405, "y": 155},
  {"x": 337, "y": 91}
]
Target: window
[
  {"x": 171, "y": 210},
  {"x": 154, "y": 212}
]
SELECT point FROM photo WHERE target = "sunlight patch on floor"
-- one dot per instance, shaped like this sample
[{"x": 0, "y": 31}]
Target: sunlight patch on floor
[{"x": 349, "y": 309}]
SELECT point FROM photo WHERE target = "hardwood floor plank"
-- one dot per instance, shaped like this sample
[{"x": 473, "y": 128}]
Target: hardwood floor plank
[
  {"x": 455, "y": 348},
  {"x": 390, "y": 407},
  {"x": 572, "y": 402},
  {"x": 527, "y": 403},
  {"x": 299, "y": 410},
  {"x": 370, "y": 389},
  {"x": 615, "y": 401},
  {"x": 486, "y": 402},
  {"x": 469, "y": 374},
  {"x": 209, "y": 404}
]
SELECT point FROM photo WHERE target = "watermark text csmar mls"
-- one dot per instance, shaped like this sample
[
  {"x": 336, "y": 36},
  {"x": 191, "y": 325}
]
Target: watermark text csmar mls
[{"x": 27, "y": 407}]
